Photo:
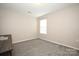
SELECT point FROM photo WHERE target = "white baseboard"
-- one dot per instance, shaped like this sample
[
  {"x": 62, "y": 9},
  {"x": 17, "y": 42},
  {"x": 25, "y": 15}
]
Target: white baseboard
[
  {"x": 62, "y": 44},
  {"x": 47, "y": 40},
  {"x": 23, "y": 40}
]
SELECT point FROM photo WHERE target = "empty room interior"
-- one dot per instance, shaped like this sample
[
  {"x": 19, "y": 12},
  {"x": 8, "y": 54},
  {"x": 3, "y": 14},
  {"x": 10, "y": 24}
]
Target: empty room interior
[{"x": 39, "y": 29}]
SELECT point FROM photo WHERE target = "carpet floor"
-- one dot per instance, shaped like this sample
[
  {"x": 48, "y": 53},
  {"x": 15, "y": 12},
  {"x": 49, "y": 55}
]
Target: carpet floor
[{"x": 39, "y": 47}]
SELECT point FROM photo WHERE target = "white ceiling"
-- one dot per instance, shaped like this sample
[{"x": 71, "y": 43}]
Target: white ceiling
[{"x": 34, "y": 9}]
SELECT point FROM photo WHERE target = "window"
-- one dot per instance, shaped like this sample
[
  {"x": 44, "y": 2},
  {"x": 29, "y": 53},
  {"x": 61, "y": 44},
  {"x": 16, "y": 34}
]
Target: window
[{"x": 43, "y": 26}]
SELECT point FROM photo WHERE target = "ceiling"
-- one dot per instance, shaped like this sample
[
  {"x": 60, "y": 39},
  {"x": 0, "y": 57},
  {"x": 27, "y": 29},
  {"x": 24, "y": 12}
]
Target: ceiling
[{"x": 34, "y": 9}]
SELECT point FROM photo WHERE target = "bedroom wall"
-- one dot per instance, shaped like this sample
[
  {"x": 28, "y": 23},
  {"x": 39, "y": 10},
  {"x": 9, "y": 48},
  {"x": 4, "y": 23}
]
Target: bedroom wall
[
  {"x": 21, "y": 26},
  {"x": 63, "y": 27}
]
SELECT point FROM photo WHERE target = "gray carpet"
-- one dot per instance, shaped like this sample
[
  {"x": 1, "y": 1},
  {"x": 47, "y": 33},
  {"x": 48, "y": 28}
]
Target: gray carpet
[{"x": 38, "y": 47}]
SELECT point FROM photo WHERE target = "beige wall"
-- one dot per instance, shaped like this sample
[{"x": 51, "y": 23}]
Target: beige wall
[
  {"x": 22, "y": 27},
  {"x": 63, "y": 27}
]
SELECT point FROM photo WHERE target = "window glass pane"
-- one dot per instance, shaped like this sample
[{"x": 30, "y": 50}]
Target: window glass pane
[{"x": 43, "y": 26}]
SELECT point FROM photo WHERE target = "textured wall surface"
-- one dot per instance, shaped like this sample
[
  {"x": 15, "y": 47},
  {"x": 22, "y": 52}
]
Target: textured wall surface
[
  {"x": 63, "y": 26},
  {"x": 22, "y": 27}
]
